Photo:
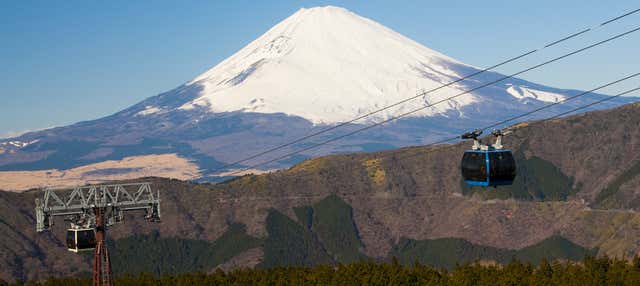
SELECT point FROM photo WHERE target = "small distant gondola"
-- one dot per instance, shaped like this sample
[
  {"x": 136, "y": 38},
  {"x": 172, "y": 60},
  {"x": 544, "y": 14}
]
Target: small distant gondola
[
  {"x": 487, "y": 165},
  {"x": 81, "y": 239}
]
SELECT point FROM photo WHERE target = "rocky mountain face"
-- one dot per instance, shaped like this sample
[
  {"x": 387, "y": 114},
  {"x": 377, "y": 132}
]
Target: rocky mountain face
[
  {"x": 577, "y": 192},
  {"x": 319, "y": 67}
]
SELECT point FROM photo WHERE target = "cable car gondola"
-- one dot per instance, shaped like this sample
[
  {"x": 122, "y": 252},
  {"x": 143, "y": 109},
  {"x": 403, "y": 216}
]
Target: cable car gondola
[
  {"x": 81, "y": 239},
  {"x": 487, "y": 165}
]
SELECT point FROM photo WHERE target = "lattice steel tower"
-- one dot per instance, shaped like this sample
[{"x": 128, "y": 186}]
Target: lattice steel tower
[{"x": 90, "y": 210}]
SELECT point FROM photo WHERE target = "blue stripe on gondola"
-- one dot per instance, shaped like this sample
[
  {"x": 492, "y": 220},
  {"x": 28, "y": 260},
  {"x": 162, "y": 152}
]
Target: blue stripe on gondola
[
  {"x": 487, "y": 183},
  {"x": 487, "y": 166},
  {"x": 477, "y": 183}
]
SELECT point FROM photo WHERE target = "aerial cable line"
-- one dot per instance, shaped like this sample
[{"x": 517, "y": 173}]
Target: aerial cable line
[
  {"x": 435, "y": 103},
  {"x": 433, "y": 150},
  {"x": 558, "y": 102},
  {"x": 448, "y": 139},
  {"x": 594, "y": 103},
  {"x": 619, "y": 17},
  {"x": 342, "y": 124},
  {"x": 429, "y": 151},
  {"x": 566, "y": 112},
  {"x": 425, "y": 152},
  {"x": 451, "y": 139}
]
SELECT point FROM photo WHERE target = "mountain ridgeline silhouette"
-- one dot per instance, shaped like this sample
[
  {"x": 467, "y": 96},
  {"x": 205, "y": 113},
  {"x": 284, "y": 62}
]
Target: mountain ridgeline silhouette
[{"x": 318, "y": 67}]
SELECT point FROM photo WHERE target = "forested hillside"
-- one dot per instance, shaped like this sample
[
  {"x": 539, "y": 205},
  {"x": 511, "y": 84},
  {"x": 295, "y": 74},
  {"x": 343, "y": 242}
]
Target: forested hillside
[
  {"x": 572, "y": 197},
  {"x": 590, "y": 272}
]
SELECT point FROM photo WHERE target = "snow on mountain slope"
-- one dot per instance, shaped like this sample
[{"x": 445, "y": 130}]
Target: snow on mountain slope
[
  {"x": 319, "y": 66},
  {"x": 149, "y": 110},
  {"x": 327, "y": 65},
  {"x": 523, "y": 92}
]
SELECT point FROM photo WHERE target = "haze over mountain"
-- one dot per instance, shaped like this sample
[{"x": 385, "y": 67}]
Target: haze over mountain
[{"x": 318, "y": 67}]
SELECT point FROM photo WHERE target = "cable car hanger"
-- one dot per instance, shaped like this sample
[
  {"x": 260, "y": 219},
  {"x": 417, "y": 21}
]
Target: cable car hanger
[
  {"x": 477, "y": 143},
  {"x": 487, "y": 165}
]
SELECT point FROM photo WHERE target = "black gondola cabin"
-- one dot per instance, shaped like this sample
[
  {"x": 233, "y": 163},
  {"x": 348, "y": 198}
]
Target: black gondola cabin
[
  {"x": 83, "y": 239},
  {"x": 488, "y": 167}
]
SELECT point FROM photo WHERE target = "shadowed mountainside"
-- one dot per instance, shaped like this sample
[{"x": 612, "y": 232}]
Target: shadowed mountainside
[{"x": 573, "y": 193}]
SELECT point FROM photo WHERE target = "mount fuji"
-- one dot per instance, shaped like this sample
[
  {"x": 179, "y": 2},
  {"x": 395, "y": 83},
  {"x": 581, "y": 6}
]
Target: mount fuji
[{"x": 317, "y": 68}]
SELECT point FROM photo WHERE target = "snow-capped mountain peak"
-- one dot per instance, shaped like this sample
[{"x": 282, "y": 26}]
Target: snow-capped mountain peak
[
  {"x": 321, "y": 66},
  {"x": 327, "y": 65}
]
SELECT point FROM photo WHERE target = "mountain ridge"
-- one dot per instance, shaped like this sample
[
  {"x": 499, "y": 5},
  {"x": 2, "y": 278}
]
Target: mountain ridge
[
  {"x": 367, "y": 203},
  {"x": 295, "y": 84},
  {"x": 327, "y": 50}
]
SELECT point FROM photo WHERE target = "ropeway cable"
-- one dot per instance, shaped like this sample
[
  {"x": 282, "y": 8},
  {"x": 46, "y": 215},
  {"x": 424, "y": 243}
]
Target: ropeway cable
[
  {"x": 437, "y": 102},
  {"x": 594, "y": 103},
  {"x": 426, "y": 106},
  {"x": 561, "y": 101},
  {"x": 342, "y": 124},
  {"x": 451, "y": 139},
  {"x": 564, "y": 112}
]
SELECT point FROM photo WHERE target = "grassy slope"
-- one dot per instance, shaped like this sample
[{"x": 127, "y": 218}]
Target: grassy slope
[
  {"x": 576, "y": 150},
  {"x": 607, "y": 197}
]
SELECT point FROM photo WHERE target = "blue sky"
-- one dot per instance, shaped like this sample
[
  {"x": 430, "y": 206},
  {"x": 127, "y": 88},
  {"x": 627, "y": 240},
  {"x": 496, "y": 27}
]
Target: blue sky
[{"x": 68, "y": 61}]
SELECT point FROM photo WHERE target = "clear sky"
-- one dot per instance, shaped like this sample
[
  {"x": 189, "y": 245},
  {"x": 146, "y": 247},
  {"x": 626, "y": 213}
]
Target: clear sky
[{"x": 68, "y": 61}]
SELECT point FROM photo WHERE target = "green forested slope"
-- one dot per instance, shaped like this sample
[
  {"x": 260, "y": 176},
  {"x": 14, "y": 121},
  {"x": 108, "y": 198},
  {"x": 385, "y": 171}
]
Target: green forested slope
[
  {"x": 569, "y": 184},
  {"x": 325, "y": 234},
  {"x": 590, "y": 272},
  {"x": 448, "y": 252},
  {"x": 160, "y": 256}
]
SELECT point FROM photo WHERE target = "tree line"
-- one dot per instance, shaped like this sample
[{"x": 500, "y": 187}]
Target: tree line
[{"x": 590, "y": 271}]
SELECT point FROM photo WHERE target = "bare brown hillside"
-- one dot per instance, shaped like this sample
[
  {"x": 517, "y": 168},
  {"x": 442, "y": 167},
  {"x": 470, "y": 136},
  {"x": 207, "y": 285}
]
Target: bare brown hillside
[{"x": 578, "y": 179}]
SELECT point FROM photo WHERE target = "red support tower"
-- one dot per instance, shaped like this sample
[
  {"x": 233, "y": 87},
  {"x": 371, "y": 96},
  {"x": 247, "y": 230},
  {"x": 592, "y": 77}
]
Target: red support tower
[
  {"x": 102, "y": 275},
  {"x": 90, "y": 210}
]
